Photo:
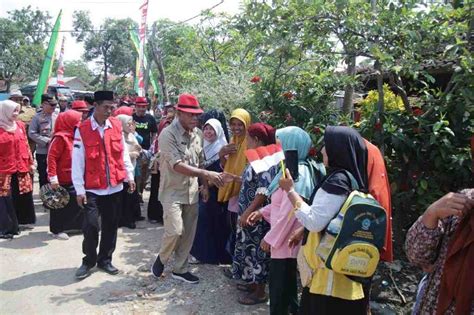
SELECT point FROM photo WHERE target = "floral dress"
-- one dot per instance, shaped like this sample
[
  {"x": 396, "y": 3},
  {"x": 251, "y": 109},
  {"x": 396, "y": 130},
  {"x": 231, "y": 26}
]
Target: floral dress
[{"x": 250, "y": 262}]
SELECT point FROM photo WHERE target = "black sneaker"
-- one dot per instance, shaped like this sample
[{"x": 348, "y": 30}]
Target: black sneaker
[
  {"x": 83, "y": 272},
  {"x": 186, "y": 277},
  {"x": 157, "y": 268}
]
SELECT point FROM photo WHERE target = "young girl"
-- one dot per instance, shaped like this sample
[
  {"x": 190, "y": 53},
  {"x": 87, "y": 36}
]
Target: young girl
[{"x": 283, "y": 286}]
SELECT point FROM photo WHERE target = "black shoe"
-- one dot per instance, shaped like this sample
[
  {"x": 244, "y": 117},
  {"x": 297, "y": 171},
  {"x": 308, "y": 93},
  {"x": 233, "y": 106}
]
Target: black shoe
[
  {"x": 157, "y": 268},
  {"x": 83, "y": 272},
  {"x": 140, "y": 218},
  {"x": 131, "y": 226},
  {"x": 111, "y": 270},
  {"x": 186, "y": 277}
]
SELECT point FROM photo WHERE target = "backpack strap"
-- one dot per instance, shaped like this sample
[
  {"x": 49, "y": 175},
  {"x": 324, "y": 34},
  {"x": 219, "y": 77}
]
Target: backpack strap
[{"x": 354, "y": 184}]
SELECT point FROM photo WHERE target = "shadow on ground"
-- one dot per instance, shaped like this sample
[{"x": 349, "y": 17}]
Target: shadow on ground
[{"x": 55, "y": 277}]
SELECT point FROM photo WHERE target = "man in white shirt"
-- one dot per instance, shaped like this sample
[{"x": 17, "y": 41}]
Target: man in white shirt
[{"x": 100, "y": 164}]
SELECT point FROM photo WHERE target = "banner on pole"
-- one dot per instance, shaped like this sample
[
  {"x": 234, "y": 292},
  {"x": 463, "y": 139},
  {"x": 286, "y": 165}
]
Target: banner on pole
[
  {"x": 60, "y": 71},
  {"x": 48, "y": 62}
]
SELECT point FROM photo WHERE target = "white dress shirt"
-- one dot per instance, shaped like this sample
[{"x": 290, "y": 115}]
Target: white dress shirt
[{"x": 79, "y": 162}]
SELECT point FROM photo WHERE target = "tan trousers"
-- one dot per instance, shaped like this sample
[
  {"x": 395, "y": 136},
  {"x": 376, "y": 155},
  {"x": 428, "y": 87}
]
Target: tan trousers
[{"x": 180, "y": 223}]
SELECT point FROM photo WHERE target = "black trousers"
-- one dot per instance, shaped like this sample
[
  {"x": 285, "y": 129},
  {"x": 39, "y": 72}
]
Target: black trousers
[
  {"x": 41, "y": 160},
  {"x": 130, "y": 206},
  {"x": 108, "y": 207},
  {"x": 155, "y": 208},
  {"x": 283, "y": 286}
]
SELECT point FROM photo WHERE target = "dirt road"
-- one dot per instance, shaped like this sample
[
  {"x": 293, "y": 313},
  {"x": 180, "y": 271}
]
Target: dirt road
[{"x": 37, "y": 277}]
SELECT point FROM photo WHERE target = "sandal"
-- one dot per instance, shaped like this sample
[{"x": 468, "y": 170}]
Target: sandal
[
  {"x": 228, "y": 273},
  {"x": 250, "y": 299},
  {"x": 244, "y": 287}
]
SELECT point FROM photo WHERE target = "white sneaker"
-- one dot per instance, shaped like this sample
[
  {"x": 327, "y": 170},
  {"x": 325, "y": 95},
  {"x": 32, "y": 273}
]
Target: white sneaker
[{"x": 61, "y": 236}]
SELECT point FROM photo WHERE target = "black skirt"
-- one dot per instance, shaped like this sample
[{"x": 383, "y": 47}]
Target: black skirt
[
  {"x": 68, "y": 218},
  {"x": 8, "y": 220},
  {"x": 24, "y": 206},
  {"x": 322, "y": 304}
]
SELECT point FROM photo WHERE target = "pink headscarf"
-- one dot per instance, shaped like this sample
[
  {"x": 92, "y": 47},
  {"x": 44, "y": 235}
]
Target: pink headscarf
[{"x": 6, "y": 115}]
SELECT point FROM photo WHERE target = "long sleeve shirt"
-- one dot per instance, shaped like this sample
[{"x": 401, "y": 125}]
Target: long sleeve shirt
[
  {"x": 40, "y": 131},
  {"x": 79, "y": 162},
  {"x": 324, "y": 208},
  {"x": 277, "y": 213}
]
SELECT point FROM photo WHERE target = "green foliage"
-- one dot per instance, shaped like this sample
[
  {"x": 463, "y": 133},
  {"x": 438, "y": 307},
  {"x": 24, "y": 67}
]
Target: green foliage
[
  {"x": 110, "y": 46},
  {"x": 392, "y": 102},
  {"x": 22, "y": 44}
]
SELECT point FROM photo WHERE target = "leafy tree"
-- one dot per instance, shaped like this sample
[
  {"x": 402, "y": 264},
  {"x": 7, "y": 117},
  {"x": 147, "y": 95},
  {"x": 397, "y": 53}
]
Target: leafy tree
[
  {"x": 109, "y": 46},
  {"x": 22, "y": 38}
]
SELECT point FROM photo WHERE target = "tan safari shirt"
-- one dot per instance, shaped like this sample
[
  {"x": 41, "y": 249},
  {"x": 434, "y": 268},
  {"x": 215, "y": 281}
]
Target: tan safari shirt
[{"x": 178, "y": 145}]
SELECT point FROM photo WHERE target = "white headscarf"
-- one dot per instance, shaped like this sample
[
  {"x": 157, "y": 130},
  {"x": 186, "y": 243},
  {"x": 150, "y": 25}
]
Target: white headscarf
[
  {"x": 211, "y": 149},
  {"x": 6, "y": 115}
]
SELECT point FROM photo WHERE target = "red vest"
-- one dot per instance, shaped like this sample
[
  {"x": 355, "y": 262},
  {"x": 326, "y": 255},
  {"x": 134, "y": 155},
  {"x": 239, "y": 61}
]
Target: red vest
[
  {"x": 60, "y": 159},
  {"x": 15, "y": 153},
  {"x": 100, "y": 151}
]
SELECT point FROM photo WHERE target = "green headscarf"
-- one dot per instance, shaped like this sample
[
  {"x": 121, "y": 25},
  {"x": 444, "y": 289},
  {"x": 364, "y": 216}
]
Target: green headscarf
[{"x": 295, "y": 138}]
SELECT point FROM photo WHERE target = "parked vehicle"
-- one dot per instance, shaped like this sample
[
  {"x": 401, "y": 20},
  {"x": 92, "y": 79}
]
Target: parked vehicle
[{"x": 56, "y": 90}]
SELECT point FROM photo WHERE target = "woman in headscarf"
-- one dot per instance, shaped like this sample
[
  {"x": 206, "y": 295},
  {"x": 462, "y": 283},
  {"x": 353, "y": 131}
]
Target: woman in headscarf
[
  {"x": 59, "y": 173},
  {"x": 233, "y": 160},
  {"x": 442, "y": 241},
  {"x": 250, "y": 262},
  {"x": 329, "y": 292},
  {"x": 213, "y": 226},
  {"x": 131, "y": 201},
  {"x": 283, "y": 269},
  {"x": 155, "y": 208},
  {"x": 16, "y": 162}
]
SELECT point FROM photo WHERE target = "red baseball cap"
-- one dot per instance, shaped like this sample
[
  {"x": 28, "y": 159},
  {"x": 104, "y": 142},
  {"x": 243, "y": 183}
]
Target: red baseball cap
[
  {"x": 188, "y": 103},
  {"x": 141, "y": 101},
  {"x": 79, "y": 106}
]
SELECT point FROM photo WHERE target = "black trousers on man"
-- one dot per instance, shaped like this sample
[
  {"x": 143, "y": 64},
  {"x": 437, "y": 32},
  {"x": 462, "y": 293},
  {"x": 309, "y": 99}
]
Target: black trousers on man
[
  {"x": 108, "y": 207},
  {"x": 42, "y": 161}
]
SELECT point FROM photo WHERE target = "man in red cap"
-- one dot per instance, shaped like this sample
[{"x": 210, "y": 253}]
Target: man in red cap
[
  {"x": 80, "y": 106},
  {"x": 146, "y": 127},
  {"x": 181, "y": 156}
]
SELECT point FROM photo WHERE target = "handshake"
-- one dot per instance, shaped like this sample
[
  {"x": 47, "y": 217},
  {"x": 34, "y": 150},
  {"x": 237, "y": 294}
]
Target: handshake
[{"x": 220, "y": 179}]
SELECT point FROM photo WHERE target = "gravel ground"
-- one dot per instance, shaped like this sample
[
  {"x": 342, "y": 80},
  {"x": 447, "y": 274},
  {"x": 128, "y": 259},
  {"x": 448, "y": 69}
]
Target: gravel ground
[{"x": 37, "y": 277}]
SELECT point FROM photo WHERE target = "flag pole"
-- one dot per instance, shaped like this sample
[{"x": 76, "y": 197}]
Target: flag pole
[{"x": 42, "y": 84}]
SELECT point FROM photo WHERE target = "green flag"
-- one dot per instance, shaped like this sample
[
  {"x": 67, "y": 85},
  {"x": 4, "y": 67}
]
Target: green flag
[
  {"x": 48, "y": 62},
  {"x": 136, "y": 44}
]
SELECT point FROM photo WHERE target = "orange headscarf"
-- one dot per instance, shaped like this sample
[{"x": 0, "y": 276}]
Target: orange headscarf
[
  {"x": 236, "y": 162},
  {"x": 379, "y": 187}
]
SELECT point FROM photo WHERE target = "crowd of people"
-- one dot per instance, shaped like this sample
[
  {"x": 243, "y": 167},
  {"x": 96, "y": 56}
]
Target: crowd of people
[{"x": 214, "y": 207}]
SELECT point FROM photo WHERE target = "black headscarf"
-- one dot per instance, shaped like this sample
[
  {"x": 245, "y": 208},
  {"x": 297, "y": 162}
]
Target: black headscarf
[
  {"x": 346, "y": 150},
  {"x": 216, "y": 114}
]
